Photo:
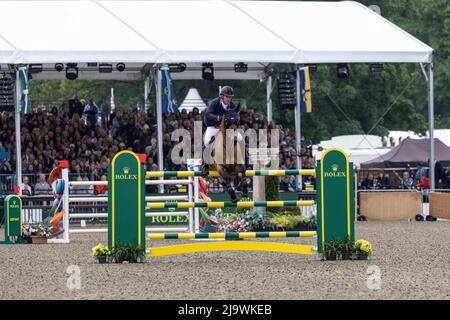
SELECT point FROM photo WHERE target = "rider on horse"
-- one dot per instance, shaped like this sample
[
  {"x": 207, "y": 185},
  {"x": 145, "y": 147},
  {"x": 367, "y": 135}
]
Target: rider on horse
[{"x": 217, "y": 108}]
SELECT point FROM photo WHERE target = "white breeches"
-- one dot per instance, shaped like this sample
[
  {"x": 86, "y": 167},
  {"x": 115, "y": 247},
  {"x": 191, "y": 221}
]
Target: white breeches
[{"x": 212, "y": 131}]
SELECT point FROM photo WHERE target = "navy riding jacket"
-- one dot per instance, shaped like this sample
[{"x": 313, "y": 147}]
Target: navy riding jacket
[{"x": 215, "y": 111}]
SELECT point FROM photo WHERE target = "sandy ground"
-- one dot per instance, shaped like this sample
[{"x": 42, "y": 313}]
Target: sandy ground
[{"x": 413, "y": 260}]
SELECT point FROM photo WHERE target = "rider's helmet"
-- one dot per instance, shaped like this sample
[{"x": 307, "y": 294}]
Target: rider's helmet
[{"x": 227, "y": 91}]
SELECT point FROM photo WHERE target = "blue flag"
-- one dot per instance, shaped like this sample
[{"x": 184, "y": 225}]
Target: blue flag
[
  {"x": 169, "y": 100},
  {"x": 305, "y": 90}
]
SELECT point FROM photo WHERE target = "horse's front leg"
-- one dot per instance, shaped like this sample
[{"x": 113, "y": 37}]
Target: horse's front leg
[
  {"x": 227, "y": 184},
  {"x": 242, "y": 170}
]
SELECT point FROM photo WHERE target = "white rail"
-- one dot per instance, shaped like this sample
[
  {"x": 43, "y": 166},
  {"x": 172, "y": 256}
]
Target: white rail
[
  {"x": 148, "y": 198},
  {"x": 147, "y": 214},
  {"x": 147, "y": 182}
]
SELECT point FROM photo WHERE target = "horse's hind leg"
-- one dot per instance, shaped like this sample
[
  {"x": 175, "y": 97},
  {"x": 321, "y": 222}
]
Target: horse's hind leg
[{"x": 227, "y": 184}]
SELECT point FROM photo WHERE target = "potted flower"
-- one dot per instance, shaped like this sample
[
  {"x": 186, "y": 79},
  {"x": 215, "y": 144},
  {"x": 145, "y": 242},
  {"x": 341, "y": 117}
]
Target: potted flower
[
  {"x": 38, "y": 232},
  {"x": 347, "y": 249},
  {"x": 362, "y": 249},
  {"x": 331, "y": 249},
  {"x": 101, "y": 253},
  {"x": 129, "y": 253}
]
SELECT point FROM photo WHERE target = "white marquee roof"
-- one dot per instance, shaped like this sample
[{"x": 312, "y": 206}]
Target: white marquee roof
[{"x": 217, "y": 31}]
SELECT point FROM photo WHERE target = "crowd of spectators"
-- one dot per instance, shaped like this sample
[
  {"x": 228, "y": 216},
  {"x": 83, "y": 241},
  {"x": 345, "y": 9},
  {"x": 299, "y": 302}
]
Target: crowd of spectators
[
  {"x": 89, "y": 141},
  {"x": 408, "y": 180}
]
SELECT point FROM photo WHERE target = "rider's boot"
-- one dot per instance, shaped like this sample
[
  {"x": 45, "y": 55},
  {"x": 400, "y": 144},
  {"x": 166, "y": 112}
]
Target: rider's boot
[
  {"x": 204, "y": 167},
  {"x": 232, "y": 194}
]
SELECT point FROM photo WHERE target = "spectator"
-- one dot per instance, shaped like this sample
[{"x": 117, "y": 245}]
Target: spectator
[
  {"x": 368, "y": 183},
  {"x": 423, "y": 183},
  {"x": 383, "y": 182},
  {"x": 215, "y": 186},
  {"x": 42, "y": 187},
  {"x": 439, "y": 175},
  {"x": 102, "y": 189},
  {"x": 26, "y": 188},
  {"x": 292, "y": 185},
  {"x": 90, "y": 113},
  {"x": 406, "y": 182}
]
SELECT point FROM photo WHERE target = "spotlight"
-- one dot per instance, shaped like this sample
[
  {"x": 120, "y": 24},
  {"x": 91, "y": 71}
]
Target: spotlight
[
  {"x": 120, "y": 66},
  {"x": 71, "y": 71},
  {"x": 105, "y": 68},
  {"x": 240, "y": 67},
  {"x": 207, "y": 71},
  {"x": 342, "y": 71},
  {"x": 177, "y": 67},
  {"x": 35, "y": 68},
  {"x": 375, "y": 67},
  {"x": 59, "y": 67},
  {"x": 287, "y": 90}
]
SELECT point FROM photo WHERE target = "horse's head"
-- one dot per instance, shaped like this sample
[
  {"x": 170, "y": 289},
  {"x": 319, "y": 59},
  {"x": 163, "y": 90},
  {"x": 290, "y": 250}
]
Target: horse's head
[{"x": 231, "y": 121}]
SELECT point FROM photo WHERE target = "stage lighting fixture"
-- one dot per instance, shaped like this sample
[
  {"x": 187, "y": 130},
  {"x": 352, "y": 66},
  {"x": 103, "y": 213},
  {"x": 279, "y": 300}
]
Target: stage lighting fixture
[
  {"x": 92, "y": 64},
  {"x": 177, "y": 67},
  {"x": 35, "y": 68},
  {"x": 71, "y": 71},
  {"x": 375, "y": 67},
  {"x": 207, "y": 71},
  {"x": 120, "y": 66},
  {"x": 105, "y": 68},
  {"x": 342, "y": 71},
  {"x": 240, "y": 67},
  {"x": 59, "y": 67}
]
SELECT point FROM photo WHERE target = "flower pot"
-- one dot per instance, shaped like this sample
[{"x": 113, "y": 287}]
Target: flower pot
[
  {"x": 38, "y": 239},
  {"x": 102, "y": 259},
  {"x": 362, "y": 256},
  {"x": 346, "y": 256},
  {"x": 331, "y": 256}
]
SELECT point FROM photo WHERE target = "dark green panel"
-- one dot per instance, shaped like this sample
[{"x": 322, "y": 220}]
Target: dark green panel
[{"x": 126, "y": 200}]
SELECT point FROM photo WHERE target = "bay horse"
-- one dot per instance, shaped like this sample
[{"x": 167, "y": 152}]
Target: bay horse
[{"x": 228, "y": 164}]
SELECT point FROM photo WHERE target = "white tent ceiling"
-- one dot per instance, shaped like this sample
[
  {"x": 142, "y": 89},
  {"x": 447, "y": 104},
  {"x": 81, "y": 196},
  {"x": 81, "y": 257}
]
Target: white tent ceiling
[{"x": 218, "y": 31}]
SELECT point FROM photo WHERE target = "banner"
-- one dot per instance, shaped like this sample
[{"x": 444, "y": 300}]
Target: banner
[
  {"x": 305, "y": 90},
  {"x": 169, "y": 100},
  {"x": 23, "y": 76}
]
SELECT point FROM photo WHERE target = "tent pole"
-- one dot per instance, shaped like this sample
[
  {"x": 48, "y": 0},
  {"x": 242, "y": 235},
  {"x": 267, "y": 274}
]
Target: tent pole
[
  {"x": 298, "y": 130},
  {"x": 269, "y": 99},
  {"x": 18, "y": 141},
  {"x": 159, "y": 123},
  {"x": 431, "y": 122}
]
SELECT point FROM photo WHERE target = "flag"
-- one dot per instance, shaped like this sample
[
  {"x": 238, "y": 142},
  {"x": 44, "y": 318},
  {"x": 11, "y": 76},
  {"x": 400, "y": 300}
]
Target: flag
[
  {"x": 169, "y": 100},
  {"x": 23, "y": 76},
  {"x": 113, "y": 104},
  {"x": 305, "y": 90}
]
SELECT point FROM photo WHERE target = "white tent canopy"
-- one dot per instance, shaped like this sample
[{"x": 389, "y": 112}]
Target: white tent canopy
[
  {"x": 145, "y": 33},
  {"x": 193, "y": 32}
]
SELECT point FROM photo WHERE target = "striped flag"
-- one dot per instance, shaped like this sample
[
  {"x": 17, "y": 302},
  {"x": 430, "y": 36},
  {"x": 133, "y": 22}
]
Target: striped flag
[
  {"x": 169, "y": 100},
  {"x": 305, "y": 90}
]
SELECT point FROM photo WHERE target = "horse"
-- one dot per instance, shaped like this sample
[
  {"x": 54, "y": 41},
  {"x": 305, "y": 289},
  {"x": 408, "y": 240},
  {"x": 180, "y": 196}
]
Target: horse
[{"x": 225, "y": 164}]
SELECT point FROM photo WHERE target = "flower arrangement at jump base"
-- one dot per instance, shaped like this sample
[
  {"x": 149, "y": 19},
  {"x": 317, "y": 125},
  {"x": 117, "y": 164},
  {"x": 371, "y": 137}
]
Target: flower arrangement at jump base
[
  {"x": 363, "y": 249},
  {"x": 36, "y": 232},
  {"x": 101, "y": 253},
  {"x": 347, "y": 250},
  {"x": 120, "y": 253}
]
